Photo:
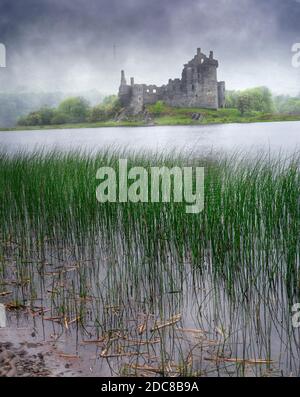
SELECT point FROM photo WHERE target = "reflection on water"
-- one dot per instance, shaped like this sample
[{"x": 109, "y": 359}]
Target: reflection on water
[
  {"x": 135, "y": 316},
  {"x": 226, "y": 137}
]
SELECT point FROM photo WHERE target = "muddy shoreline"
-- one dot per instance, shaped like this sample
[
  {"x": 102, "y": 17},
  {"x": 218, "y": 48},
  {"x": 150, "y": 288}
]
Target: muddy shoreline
[{"x": 22, "y": 356}]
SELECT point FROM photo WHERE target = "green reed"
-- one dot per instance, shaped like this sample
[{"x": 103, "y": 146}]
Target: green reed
[
  {"x": 108, "y": 264},
  {"x": 251, "y": 212}
]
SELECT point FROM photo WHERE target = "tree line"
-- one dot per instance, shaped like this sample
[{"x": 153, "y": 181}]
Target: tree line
[
  {"x": 260, "y": 99},
  {"x": 73, "y": 110},
  {"x": 78, "y": 109}
]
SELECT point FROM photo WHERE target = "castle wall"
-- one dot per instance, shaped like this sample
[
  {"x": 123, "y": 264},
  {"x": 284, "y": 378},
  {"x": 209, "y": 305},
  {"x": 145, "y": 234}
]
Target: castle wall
[
  {"x": 152, "y": 94},
  {"x": 137, "y": 99},
  {"x": 207, "y": 96},
  {"x": 125, "y": 95},
  {"x": 198, "y": 87},
  {"x": 221, "y": 94}
]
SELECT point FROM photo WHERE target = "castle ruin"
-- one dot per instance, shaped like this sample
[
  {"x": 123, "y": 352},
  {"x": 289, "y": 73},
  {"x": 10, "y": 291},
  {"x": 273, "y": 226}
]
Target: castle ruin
[{"x": 198, "y": 88}]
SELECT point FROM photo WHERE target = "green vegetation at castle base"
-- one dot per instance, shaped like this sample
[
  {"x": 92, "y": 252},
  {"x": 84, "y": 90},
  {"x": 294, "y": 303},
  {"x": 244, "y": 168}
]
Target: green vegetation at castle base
[
  {"x": 166, "y": 115},
  {"x": 169, "y": 116},
  {"x": 183, "y": 116}
]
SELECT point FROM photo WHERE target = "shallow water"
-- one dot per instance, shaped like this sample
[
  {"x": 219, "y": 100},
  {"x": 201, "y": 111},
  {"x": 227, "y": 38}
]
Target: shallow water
[
  {"x": 171, "y": 322},
  {"x": 273, "y": 137},
  {"x": 155, "y": 314}
]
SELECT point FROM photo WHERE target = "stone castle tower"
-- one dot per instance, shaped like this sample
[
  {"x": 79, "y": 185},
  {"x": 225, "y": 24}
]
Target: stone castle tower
[{"x": 198, "y": 87}]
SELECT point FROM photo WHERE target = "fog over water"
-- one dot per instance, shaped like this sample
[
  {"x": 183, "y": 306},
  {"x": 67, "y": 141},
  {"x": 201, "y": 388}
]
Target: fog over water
[{"x": 76, "y": 45}]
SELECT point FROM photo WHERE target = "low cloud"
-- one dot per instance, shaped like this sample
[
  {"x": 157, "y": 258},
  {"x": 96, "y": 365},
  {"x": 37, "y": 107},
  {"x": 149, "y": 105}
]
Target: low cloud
[{"x": 79, "y": 45}]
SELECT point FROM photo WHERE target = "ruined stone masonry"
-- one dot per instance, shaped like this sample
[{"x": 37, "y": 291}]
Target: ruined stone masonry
[{"x": 198, "y": 87}]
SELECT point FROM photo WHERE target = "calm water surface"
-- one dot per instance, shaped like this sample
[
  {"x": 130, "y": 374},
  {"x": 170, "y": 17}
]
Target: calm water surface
[{"x": 273, "y": 137}]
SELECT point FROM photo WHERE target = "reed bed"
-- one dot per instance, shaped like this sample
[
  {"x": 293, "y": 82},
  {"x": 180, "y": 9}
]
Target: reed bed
[{"x": 157, "y": 290}]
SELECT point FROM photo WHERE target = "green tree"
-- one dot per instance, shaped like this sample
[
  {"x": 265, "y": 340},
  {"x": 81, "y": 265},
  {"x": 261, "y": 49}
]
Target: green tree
[
  {"x": 258, "y": 99},
  {"x": 46, "y": 114},
  {"x": 244, "y": 103},
  {"x": 107, "y": 110},
  {"x": 59, "y": 118},
  {"x": 261, "y": 99},
  {"x": 231, "y": 99},
  {"x": 286, "y": 104},
  {"x": 97, "y": 113},
  {"x": 74, "y": 109},
  {"x": 111, "y": 105},
  {"x": 43, "y": 116},
  {"x": 110, "y": 100},
  {"x": 33, "y": 118}
]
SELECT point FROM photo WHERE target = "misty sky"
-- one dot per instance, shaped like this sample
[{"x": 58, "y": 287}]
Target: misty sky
[{"x": 78, "y": 45}]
